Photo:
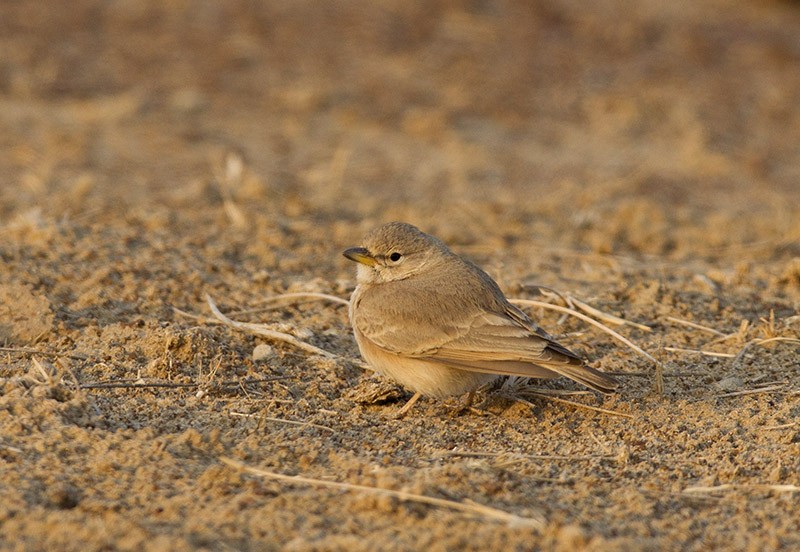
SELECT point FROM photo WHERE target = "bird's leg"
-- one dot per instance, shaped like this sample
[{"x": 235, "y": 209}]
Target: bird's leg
[
  {"x": 465, "y": 405},
  {"x": 406, "y": 407},
  {"x": 468, "y": 400},
  {"x": 491, "y": 388},
  {"x": 462, "y": 405}
]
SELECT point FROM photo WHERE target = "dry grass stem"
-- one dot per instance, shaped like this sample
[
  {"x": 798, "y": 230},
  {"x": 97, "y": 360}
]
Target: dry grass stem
[
  {"x": 695, "y": 325},
  {"x": 260, "y": 329},
  {"x": 197, "y": 317},
  {"x": 768, "y": 328},
  {"x": 141, "y": 384},
  {"x": 592, "y": 321},
  {"x": 743, "y": 487},
  {"x": 46, "y": 377},
  {"x": 29, "y": 351},
  {"x": 606, "y": 317},
  {"x": 658, "y": 377},
  {"x": 781, "y": 426},
  {"x": 767, "y": 389},
  {"x": 699, "y": 352},
  {"x": 519, "y": 455},
  {"x": 759, "y": 342},
  {"x": 9, "y": 448},
  {"x": 573, "y": 403},
  {"x": 781, "y": 339},
  {"x": 599, "y": 443},
  {"x": 466, "y": 507}
]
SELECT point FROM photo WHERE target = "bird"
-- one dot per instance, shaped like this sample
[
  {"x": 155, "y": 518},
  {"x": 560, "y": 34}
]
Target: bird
[{"x": 440, "y": 326}]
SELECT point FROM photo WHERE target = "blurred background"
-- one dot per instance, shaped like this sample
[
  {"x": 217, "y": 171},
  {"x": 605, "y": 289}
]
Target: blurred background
[{"x": 616, "y": 126}]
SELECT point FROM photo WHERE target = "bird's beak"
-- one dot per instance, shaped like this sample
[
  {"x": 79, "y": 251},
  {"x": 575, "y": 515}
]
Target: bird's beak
[{"x": 360, "y": 255}]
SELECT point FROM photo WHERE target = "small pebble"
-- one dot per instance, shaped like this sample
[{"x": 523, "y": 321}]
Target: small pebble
[
  {"x": 262, "y": 352},
  {"x": 731, "y": 383}
]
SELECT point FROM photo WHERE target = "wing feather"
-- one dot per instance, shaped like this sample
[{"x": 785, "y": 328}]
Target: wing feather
[{"x": 499, "y": 345}]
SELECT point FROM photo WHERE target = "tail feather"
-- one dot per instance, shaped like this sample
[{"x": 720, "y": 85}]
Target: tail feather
[
  {"x": 587, "y": 376},
  {"x": 594, "y": 379}
]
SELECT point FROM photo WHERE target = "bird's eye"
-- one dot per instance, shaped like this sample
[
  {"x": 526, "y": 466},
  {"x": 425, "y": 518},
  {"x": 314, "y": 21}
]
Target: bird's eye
[{"x": 394, "y": 257}]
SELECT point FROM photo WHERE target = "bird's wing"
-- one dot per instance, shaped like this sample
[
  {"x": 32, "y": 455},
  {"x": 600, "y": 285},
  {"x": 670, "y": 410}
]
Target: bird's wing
[
  {"x": 407, "y": 334},
  {"x": 496, "y": 338},
  {"x": 501, "y": 344}
]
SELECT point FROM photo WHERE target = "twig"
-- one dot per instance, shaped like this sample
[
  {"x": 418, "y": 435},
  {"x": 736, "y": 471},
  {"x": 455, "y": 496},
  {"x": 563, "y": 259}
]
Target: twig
[
  {"x": 196, "y": 316},
  {"x": 752, "y": 391},
  {"x": 782, "y": 426},
  {"x": 144, "y": 385},
  {"x": 572, "y": 403},
  {"x": 573, "y": 312},
  {"x": 743, "y": 487},
  {"x": 135, "y": 385},
  {"x": 478, "y": 454},
  {"x": 695, "y": 325},
  {"x": 28, "y": 351},
  {"x": 699, "y": 352},
  {"x": 611, "y": 318},
  {"x": 467, "y": 507},
  {"x": 46, "y": 377},
  {"x": 260, "y": 329},
  {"x": 779, "y": 338},
  {"x": 658, "y": 377}
]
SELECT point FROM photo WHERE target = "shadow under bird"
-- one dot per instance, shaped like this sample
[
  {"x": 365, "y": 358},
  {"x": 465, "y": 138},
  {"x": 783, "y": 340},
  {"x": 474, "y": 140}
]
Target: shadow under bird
[{"x": 440, "y": 326}]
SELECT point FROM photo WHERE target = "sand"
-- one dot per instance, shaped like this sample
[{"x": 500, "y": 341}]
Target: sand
[{"x": 641, "y": 157}]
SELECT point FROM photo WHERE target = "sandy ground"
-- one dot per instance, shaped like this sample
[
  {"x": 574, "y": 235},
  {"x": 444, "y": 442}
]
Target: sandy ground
[{"x": 640, "y": 156}]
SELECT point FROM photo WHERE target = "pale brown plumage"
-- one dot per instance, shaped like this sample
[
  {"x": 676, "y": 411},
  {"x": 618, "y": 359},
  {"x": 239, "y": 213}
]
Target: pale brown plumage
[{"x": 439, "y": 325}]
